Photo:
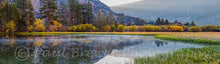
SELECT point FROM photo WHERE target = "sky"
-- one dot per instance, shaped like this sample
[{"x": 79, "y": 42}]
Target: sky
[
  {"x": 204, "y": 12},
  {"x": 118, "y": 2}
]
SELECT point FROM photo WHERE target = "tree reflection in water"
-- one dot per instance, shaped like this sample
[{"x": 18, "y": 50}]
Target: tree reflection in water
[
  {"x": 63, "y": 49},
  {"x": 160, "y": 43}
]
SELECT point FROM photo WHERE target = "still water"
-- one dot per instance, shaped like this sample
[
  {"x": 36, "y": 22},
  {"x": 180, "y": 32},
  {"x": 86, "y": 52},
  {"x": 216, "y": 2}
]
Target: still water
[{"x": 82, "y": 49}]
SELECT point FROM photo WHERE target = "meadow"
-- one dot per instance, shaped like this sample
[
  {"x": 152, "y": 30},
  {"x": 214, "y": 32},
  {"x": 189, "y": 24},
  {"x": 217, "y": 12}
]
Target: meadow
[{"x": 184, "y": 56}]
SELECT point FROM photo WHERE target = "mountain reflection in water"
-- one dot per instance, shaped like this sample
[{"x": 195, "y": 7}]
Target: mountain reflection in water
[{"x": 71, "y": 49}]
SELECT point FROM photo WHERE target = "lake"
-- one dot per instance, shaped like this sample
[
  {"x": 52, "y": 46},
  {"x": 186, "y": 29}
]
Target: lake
[{"x": 82, "y": 49}]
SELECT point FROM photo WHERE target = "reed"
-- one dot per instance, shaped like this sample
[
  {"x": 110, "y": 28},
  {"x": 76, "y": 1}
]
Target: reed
[{"x": 184, "y": 56}]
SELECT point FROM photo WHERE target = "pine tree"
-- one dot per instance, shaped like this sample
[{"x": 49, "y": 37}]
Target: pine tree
[
  {"x": 1, "y": 3},
  {"x": 16, "y": 17},
  {"x": 193, "y": 23},
  {"x": 111, "y": 19},
  {"x": 6, "y": 14},
  {"x": 158, "y": 21},
  {"x": 79, "y": 15},
  {"x": 30, "y": 15},
  {"x": 48, "y": 10},
  {"x": 71, "y": 12},
  {"x": 162, "y": 22},
  {"x": 167, "y": 22},
  {"x": 186, "y": 24},
  {"x": 26, "y": 10},
  {"x": 90, "y": 16},
  {"x": 100, "y": 20},
  {"x": 63, "y": 15}
]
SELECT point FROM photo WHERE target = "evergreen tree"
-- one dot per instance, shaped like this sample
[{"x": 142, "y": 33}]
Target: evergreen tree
[
  {"x": 63, "y": 15},
  {"x": 26, "y": 14},
  {"x": 71, "y": 12},
  {"x": 6, "y": 14},
  {"x": 186, "y": 24},
  {"x": 167, "y": 22},
  {"x": 87, "y": 13},
  {"x": 48, "y": 10},
  {"x": 193, "y": 23},
  {"x": 100, "y": 20},
  {"x": 29, "y": 11},
  {"x": 16, "y": 17},
  {"x": 90, "y": 17},
  {"x": 162, "y": 22},
  {"x": 111, "y": 19},
  {"x": 79, "y": 18},
  {"x": 1, "y": 3},
  {"x": 158, "y": 21}
]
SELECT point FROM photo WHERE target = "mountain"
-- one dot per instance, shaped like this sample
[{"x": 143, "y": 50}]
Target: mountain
[
  {"x": 203, "y": 12},
  {"x": 98, "y": 5}
]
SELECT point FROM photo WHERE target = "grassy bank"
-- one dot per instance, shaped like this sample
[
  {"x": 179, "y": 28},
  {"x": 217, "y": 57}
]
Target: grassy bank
[
  {"x": 187, "y": 39},
  {"x": 184, "y": 56}
]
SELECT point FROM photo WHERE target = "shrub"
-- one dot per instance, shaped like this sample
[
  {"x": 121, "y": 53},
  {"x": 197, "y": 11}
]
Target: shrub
[
  {"x": 82, "y": 28},
  {"x": 164, "y": 28},
  {"x": 72, "y": 28},
  {"x": 30, "y": 28},
  {"x": 107, "y": 28},
  {"x": 208, "y": 28},
  {"x": 10, "y": 26},
  {"x": 113, "y": 28},
  {"x": 217, "y": 28},
  {"x": 141, "y": 28},
  {"x": 132, "y": 28},
  {"x": 152, "y": 28},
  {"x": 57, "y": 26},
  {"x": 120, "y": 27},
  {"x": 176, "y": 28},
  {"x": 38, "y": 25},
  {"x": 195, "y": 29}
]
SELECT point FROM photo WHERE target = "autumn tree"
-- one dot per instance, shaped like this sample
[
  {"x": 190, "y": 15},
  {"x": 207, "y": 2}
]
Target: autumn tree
[
  {"x": 38, "y": 25},
  {"x": 10, "y": 27},
  {"x": 120, "y": 28},
  {"x": 48, "y": 10},
  {"x": 57, "y": 25}
]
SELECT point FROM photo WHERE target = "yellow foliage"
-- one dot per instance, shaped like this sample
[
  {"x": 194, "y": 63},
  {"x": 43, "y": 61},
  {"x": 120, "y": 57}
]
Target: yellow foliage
[
  {"x": 132, "y": 28},
  {"x": 10, "y": 26},
  {"x": 82, "y": 28},
  {"x": 38, "y": 25},
  {"x": 151, "y": 28},
  {"x": 30, "y": 28},
  {"x": 121, "y": 27},
  {"x": 176, "y": 28},
  {"x": 107, "y": 28},
  {"x": 57, "y": 25}
]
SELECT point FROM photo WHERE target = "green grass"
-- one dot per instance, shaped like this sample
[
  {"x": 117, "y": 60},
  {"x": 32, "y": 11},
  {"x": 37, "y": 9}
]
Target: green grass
[
  {"x": 184, "y": 56},
  {"x": 193, "y": 40}
]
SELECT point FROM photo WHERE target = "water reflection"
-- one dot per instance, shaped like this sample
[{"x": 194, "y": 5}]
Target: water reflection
[
  {"x": 75, "y": 49},
  {"x": 160, "y": 43}
]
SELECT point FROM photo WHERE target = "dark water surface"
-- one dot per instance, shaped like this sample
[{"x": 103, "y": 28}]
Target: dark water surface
[{"x": 81, "y": 49}]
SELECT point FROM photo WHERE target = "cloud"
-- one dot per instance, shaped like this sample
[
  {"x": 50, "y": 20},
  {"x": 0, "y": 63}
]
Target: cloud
[{"x": 118, "y": 2}]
